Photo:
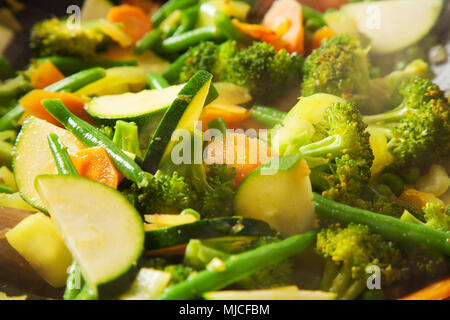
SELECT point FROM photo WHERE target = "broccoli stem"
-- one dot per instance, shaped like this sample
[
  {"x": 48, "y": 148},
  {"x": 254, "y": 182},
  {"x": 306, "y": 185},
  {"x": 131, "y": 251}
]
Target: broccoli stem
[
  {"x": 239, "y": 266},
  {"x": 126, "y": 137},
  {"x": 389, "y": 116},
  {"x": 391, "y": 228}
]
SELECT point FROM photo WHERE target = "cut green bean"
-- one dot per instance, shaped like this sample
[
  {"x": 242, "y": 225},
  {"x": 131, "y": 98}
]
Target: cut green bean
[
  {"x": 5, "y": 189},
  {"x": 148, "y": 41},
  {"x": 309, "y": 14},
  {"x": 69, "y": 84},
  {"x": 75, "y": 282},
  {"x": 61, "y": 156},
  {"x": 188, "y": 39},
  {"x": 218, "y": 124},
  {"x": 224, "y": 24},
  {"x": 188, "y": 19},
  {"x": 169, "y": 7},
  {"x": 172, "y": 73},
  {"x": 92, "y": 137},
  {"x": 238, "y": 267},
  {"x": 267, "y": 115},
  {"x": 156, "y": 81},
  {"x": 69, "y": 65},
  {"x": 77, "y": 80},
  {"x": 389, "y": 227}
]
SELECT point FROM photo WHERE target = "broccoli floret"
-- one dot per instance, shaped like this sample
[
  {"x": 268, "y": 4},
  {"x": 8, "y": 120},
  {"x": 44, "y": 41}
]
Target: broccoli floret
[
  {"x": 178, "y": 272},
  {"x": 349, "y": 251},
  {"x": 216, "y": 198},
  {"x": 165, "y": 194},
  {"x": 265, "y": 72},
  {"x": 210, "y": 191},
  {"x": 55, "y": 37},
  {"x": 437, "y": 216},
  {"x": 341, "y": 67},
  {"x": 338, "y": 153},
  {"x": 418, "y": 130}
]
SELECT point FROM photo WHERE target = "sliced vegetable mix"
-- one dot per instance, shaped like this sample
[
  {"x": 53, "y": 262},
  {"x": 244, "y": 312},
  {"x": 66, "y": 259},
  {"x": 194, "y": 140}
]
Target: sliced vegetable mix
[{"x": 229, "y": 150}]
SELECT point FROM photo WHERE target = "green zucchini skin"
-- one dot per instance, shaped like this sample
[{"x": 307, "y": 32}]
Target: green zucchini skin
[
  {"x": 91, "y": 137},
  {"x": 171, "y": 119},
  {"x": 204, "y": 229}
]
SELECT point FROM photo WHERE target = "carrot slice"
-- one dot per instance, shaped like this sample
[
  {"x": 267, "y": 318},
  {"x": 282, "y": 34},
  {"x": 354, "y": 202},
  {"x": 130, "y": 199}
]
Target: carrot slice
[
  {"x": 31, "y": 102},
  {"x": 134, "y": 20},
  {"x": 287, "y": 10},
  {"x": 239, "y": 151},
  {"x": 437, "y": 291},
  {"x": 229, "y": 113},
  {"x": 94, "y": 163},
  {"x": 45, "y": 74},
  {"x": 146, "y": 5},
  {"x": 320, "y": 35},
  {"x": 258, "y": 31}
]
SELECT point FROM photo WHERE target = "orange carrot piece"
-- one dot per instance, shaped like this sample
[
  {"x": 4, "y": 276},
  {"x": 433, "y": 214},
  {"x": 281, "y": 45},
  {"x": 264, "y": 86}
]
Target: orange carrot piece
[
  {"x": 146, "y": 5},
  {"x": 45, "y": 74},
  {"x": 287, "y": 10},
  {"x": 229, "y": 113},
  {"x": 258, "y": 32},
  {"x": 437, "y": 291},
  {"x": 94, "y": 163},
  {"x": 239, "y": 151},
  {"x": 320, "y": 35},
  {"x": 134, "y": 20},
  {"x": 31, "y": 102}
]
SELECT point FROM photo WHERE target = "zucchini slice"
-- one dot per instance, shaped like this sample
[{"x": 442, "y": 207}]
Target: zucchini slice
[
  {"x": 205, "y": 229},
  {"x": 182, "y": 114},
  {"x": 32, "y": 156},
  {"x": 282, "y": 198},
  {"x": 394, "y": 25},
  {"x": 102, "y": 230}
]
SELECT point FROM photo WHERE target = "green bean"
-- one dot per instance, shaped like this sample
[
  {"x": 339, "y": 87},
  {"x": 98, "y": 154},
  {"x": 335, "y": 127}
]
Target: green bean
[
  {"x": 77, "y": 80},
  {"x": 92, "y": 137},
  {"x": 188, "y": 19},
  {"x": 61, "y": 156},
  {"x": 156, "y": 81},
  {"x": 69, "y": 65},
  {"x": 267, "y": 115},
  {"x": 172, "y": 73},
  {"x": 169, "y": 7},
  {"x": 394, "y": 182},
  {"x": 74, "y": 283},
  {"x": 224, "y": 24},
  {"x": 218, "y": 124},
  {"x": 389, "y": 227},
  {"x": 5, "y": 189},
  {"x": 188, "y": 39},
  {"x": 314, "y": 15},
  {"x": 69, "y": 84},
  {"x": 239, "y": 266},
  {"x": 148, "y": 41}
]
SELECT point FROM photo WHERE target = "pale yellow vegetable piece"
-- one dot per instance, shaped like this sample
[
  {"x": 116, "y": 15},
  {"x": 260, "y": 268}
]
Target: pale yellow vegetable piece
[
  {"x": 4, "y": 296},
  {"x": 14, "y": 200},
  {"x": 436, "y": 181},
  {"x": 39, "y": 242},
  {"x": 381, "y": 153},
  {"x": 282, "y": 293},
  {"x": 7, "y": 178},
  {"x": 148, "y": 285},
  {"x": 169, "y": 220}
]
